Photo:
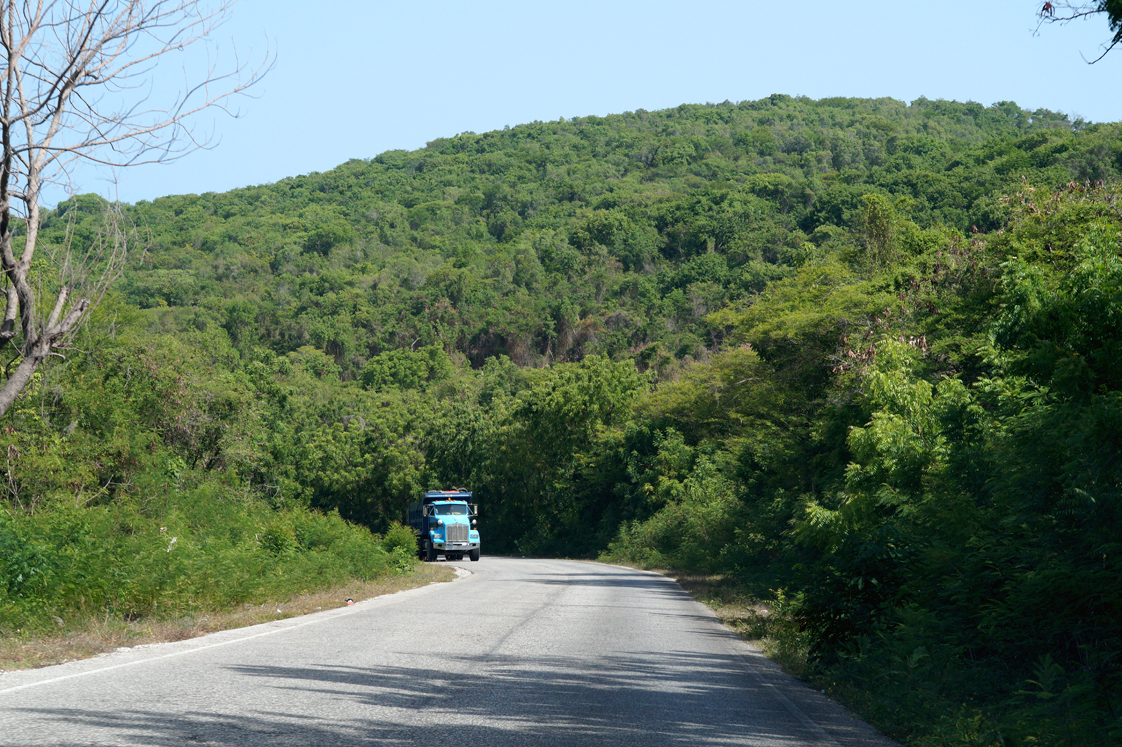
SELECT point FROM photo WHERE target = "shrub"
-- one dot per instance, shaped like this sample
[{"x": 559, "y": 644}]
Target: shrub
[{"x": 399, "y": 538}]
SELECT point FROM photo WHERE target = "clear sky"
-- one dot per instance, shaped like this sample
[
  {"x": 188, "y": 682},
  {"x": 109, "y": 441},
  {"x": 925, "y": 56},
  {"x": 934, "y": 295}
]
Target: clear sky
[{"x": 354, "y": 78}]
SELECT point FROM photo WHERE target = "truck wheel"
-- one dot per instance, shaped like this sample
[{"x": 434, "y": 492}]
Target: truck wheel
[
  {"x": 430, "y": 554},
  {"x": 474, "y": 555}
]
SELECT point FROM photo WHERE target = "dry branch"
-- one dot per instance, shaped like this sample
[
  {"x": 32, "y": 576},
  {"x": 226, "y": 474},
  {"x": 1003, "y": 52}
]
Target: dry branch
[{"x": 75, "y": 84}]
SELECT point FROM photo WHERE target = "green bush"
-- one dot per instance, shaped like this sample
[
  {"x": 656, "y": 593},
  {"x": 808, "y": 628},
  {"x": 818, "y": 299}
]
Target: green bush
[
  {"x": 399, "y": 538},
  {"x": 188, "y": 551},
  {"x": 689, "y": 532}
]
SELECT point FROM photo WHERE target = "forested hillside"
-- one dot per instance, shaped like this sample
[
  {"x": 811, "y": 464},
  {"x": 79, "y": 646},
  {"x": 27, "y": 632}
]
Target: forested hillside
[{"x": 860, "y": 357}]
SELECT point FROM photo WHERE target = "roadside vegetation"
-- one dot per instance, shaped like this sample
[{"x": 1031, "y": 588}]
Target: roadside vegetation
[
  {"x": 88, "y": 579},
  {"x": 855, "y": 361}
]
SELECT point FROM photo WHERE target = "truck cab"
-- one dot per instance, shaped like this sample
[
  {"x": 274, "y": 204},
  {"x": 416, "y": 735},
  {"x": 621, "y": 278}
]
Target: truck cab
[{"x": 445, "y": 524}]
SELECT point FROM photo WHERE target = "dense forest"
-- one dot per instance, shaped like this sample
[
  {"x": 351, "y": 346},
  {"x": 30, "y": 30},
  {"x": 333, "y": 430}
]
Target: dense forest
[{"x": 860, "y": 357}]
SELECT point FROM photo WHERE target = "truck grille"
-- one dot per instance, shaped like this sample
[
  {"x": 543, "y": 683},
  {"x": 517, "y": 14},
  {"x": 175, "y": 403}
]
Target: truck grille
[{"x": 457, "y": 533}]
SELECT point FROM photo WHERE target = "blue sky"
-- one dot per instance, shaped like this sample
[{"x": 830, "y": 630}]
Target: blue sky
[{"x": 356, "y": 78}]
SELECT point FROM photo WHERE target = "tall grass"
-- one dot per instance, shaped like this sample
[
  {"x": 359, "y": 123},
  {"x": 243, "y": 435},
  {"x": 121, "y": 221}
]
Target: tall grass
[{"x": 189, "y": 551}]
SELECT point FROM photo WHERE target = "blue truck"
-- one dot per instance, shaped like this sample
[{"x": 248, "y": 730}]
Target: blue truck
[{"x": 445, "y": 521}]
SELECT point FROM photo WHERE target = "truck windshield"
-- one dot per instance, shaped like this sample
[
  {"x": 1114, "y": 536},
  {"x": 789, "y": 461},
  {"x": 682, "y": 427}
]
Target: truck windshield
[{"x": 458, "y": 509}]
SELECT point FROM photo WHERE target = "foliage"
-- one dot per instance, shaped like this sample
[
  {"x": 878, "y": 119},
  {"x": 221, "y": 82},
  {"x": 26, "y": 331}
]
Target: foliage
[
  {"x": 944, "y": 484},
  {"x": 193, "y": 551}
]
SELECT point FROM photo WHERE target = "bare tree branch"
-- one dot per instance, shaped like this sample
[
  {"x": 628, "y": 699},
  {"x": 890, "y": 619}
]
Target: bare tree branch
[
  {"x": 1062, "y": 12},
  {"x": 77, "y": 84}
]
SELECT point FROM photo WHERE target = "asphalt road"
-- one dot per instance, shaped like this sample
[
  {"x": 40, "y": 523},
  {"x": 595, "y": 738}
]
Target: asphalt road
[{"x": 519, "y": 652}]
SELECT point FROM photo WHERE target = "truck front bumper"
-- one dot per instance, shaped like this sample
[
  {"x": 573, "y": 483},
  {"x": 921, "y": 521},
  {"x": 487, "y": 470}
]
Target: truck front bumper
[{"x": 456, "y": 546}]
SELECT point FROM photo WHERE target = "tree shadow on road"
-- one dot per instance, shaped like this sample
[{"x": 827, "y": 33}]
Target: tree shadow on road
[{"x": 649, "y": 699}]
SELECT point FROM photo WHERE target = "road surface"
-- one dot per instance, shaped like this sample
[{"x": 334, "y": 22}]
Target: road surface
[{"x": 517, "y": 652}]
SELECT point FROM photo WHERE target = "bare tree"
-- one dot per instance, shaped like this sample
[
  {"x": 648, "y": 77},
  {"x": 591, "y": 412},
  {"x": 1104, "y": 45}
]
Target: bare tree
[
  {"x": 76, "y": 85},
  {"x": 1066, "y": 12}
]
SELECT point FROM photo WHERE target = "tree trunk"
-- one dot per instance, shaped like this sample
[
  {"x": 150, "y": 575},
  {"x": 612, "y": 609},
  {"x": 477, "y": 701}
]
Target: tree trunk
[{"x": 19, "y": 379}]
